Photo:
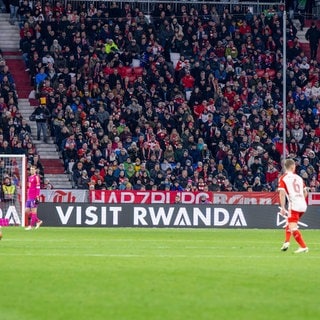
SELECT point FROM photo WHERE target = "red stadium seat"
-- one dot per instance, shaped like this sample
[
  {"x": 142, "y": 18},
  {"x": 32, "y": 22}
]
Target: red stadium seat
[
  {"x": 271, "y": 73},
  {"x": 138, "y": 71},
  {"x": 108, "y": 70},
  {"x": 260, "y": 72},
  {"x": 125, "y": 71},
  {"x": 132, "y": 78}
]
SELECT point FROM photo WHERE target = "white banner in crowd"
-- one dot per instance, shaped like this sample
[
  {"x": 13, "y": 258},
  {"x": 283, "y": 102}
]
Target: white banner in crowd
[{"x": 64, "y": 196}]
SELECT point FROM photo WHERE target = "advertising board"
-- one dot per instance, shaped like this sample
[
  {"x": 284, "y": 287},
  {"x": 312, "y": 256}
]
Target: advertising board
[{"x": 169, "y": 216}]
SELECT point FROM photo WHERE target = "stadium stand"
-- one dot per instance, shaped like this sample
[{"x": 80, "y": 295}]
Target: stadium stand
[{"x": 188, "y": 96}]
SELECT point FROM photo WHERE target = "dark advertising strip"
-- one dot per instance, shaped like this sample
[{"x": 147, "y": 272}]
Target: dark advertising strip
[{"x": 169, "y": 216}]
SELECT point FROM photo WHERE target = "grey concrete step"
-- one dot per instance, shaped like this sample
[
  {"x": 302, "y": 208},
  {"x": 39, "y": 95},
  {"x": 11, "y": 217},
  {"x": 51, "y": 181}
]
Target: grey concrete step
[
  {"x": 59, "y": 181},
  {"x": 25, "y": 106},
  {"x": 7, "y": 45},
  {"x": 9, "y": 34},
  {"x": 46, "y": 146},
  {"x": 52, "y": 153},
  {"x": 58, "y": 177},
  {"x": 49, "y": 156},
  {"x": 10, "y": 49},
  {"x": 40, "y": 142},
  {"x": 61, "y": 185},
  {"x": 4, "y": 15},
  {"x": 47, "y": 149},
  {"x": 5, "y": 24},
  {"x": 23, "y": 100},
  {"x": 6, "y": 31}
]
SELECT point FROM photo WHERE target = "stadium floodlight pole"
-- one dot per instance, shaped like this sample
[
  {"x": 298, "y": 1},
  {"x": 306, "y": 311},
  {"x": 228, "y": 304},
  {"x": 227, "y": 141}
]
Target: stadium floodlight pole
[{"x": 284, "y": 87}]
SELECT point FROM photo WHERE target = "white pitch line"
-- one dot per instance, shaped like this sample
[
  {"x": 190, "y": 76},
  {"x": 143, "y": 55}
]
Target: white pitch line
[
  {"x": 130, "y": 240},
  {"x": 213, "y": 256}
]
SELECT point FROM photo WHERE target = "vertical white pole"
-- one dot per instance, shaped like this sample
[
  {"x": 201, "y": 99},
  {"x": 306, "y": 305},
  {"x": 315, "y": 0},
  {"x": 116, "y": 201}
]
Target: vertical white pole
[
  {"x": 284, "y": 88},
  {"x": 23, "y": 190}
]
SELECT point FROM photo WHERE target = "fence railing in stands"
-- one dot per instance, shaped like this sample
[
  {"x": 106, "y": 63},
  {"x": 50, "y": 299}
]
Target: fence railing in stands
[{"x": 148, "y": 6}]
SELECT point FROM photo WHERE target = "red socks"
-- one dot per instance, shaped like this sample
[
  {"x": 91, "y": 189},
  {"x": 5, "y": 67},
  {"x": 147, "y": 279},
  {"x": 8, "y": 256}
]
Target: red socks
[
  {"x": 34, "y": 219},
  {"x": 298, "y": 237},
  {"x": 287, "y": 234}
]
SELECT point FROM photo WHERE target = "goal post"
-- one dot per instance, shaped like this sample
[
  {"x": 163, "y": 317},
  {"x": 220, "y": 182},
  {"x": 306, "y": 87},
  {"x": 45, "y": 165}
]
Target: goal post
[{"x": 13, "y": 176}]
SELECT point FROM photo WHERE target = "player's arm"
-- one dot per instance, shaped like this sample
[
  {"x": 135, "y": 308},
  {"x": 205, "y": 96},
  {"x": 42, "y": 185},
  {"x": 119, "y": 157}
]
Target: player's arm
[
  {"x": 305, "y": 192},
  {"x": 282, "y": 199},
  {"x": 282, "y": 196},
  {"x": 38, "y": 187}
]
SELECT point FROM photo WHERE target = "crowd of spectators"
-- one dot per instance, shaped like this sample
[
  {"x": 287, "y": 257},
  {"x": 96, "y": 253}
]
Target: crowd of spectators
[
  {"x": 126, "y": 115},
  {"x": 15, "y": 132}
]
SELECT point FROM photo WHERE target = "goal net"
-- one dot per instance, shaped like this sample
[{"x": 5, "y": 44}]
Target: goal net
[{"x": 13, "y": 190}]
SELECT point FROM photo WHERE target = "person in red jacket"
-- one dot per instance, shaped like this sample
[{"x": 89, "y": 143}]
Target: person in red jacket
[
  {"x": 229, "y": 94},
  {"x": 245, "y": 29},
  {"x": 272, "y": 173},
  {"x": 188, "y": 81}
]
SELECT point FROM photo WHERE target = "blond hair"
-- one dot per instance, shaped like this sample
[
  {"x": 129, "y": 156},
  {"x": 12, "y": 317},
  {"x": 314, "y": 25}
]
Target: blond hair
[{"x": 289, "y": 163}]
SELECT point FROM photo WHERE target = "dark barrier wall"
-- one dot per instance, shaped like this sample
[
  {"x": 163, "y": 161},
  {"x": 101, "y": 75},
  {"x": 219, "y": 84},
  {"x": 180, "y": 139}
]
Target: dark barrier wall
[{"x": 169, "y": 216}]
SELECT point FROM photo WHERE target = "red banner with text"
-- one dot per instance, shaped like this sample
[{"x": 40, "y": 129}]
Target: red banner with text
[{"x": 117, "y": 196}]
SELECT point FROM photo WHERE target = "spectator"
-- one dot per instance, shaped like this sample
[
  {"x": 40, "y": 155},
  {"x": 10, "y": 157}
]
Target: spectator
[
  {"x": 313, "y": 36},
  {"x": 41, "y": 116},
  {"x": 14, "y": 6},
  {"x": 76, "y": 173},
  {"x": 84, "y": 180},
  {"x": 257, "y": 185},
  {"x": 8, "y": 190},
  {"x": 47, "y": 184}
]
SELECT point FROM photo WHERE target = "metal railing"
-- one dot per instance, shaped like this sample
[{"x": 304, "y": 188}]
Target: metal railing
[{"x": 148, "y": 6}]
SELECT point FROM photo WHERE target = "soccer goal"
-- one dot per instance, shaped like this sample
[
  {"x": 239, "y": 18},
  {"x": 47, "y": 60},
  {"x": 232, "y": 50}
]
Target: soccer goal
[{"x": 13, "y": 189}]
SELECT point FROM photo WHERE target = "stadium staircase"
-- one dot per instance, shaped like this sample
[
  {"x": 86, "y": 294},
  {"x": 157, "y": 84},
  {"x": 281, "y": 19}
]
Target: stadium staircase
[{"x": 49, "y": 156}]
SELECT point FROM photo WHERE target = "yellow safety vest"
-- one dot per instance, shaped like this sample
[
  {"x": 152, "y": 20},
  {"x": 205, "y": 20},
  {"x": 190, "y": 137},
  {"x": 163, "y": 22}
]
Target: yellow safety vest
[{"x": 8, "y": 191}]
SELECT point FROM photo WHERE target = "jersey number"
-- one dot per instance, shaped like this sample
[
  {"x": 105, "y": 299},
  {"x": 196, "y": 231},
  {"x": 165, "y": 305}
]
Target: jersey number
[{"x": 296, "y": 186}]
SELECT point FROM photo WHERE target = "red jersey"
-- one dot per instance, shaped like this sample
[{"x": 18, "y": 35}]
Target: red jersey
[{"x": 294, "y": 187}]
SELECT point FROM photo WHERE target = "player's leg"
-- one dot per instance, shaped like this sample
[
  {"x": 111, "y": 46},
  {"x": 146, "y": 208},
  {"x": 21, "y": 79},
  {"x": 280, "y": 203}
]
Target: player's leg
[
  {"x": 33, "y": 213},
  {"x": 287, "y": 232},
  {"x": 28, "y": 214},
  {"x": 33, "y": 219},
  {"x": 287, "y": 236},
  {"x": 293, "y": 225},
  {"x": 37, "y": 221}
]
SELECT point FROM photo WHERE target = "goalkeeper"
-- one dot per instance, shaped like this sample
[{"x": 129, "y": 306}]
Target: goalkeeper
[{"x": 33, "y": 195}]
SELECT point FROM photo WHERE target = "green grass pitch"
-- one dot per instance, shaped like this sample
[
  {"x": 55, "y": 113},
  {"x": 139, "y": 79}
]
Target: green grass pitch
[{"x": 167, "y": 274}]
